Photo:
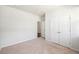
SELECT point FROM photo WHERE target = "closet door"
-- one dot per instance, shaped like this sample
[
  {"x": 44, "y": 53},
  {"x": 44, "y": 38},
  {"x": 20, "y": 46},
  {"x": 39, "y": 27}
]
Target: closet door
[
  {"x": 51, "y": 27},
  {"x": 64, "y": 27},
  {"x": 59, "y": 26},
  {"x": 75, "y": 28},
  {"x": 54, "y": 29}
]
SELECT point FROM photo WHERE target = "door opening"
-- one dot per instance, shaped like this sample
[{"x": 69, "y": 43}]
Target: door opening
[
  {"x": 38, "y": 29},
  {"x": 41, "y": 27}
]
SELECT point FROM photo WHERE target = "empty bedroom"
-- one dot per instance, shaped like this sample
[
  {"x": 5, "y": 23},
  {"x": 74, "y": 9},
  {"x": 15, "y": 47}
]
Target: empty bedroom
[{"x": 39, "y": 29}]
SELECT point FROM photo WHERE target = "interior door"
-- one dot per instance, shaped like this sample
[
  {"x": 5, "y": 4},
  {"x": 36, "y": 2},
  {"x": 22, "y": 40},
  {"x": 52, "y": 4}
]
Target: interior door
[
  {"x": 51, "y": 27},
  {"x": 54, "y": 29},
  {"x": 64, "y": 27},
  {"x": 59, "y": 26}
]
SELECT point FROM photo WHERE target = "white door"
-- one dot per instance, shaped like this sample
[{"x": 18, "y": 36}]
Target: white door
[
  {"x": 51, "y": 28},
  {"x": 60, "y": 27},
  {"x": 64, "y": 28},
  {"x": 54, "y": 29},
  {"x": 54, "y": 26}
]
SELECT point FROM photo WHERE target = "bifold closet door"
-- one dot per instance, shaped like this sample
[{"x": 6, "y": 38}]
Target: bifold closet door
[
  {"x": 51, "y": 27},
  {"x": 54, "y": 29},
  {"x": 60, "y": 26},
  {"x": 75, "y": 28}
]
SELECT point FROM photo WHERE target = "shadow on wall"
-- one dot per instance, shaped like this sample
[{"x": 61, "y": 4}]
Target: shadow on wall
[{"x": 75, "y": 43}]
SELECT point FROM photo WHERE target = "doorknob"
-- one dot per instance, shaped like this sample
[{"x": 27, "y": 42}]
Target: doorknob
[{"x": 58, "y": 32}]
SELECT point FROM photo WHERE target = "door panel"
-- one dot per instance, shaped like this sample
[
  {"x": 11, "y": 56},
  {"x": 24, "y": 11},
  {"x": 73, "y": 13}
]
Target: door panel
[
  {"x": 60, "y": 27},
  {"x": 64, "y": 27},
  {"x": 64, "y": 31},
  {"x": 54, "y": 29}
]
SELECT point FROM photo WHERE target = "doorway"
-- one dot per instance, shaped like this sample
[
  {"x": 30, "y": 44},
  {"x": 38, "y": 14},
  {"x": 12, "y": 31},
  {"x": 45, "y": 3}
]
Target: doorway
[
  {"x": 38, "y": 29},
  {"x": 41, "y": 27}
]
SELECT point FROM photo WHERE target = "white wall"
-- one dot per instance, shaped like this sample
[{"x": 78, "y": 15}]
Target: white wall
[
  {"x": 39, "y": 27},
  {"x": 16, "y": 26},
  {"x": 75, "y": 28},
  {"x": 43, "y": 26},
  {"x": 66, "y": 21}
]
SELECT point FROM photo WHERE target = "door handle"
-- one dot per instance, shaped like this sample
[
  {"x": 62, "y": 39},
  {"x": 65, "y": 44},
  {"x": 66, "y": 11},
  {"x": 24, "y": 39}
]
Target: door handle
[{"x": 59, "y": 32}]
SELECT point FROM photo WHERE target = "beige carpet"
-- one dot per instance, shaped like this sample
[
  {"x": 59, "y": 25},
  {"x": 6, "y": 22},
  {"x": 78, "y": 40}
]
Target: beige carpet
[{"x": 37, "y": 46}]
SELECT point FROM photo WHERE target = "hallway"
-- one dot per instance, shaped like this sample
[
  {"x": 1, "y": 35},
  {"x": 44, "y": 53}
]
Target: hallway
[{"x": 37, "y": 46}]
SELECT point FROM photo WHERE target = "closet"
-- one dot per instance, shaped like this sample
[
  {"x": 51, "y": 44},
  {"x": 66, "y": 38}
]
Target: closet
[{"x": 63, "y": 26}]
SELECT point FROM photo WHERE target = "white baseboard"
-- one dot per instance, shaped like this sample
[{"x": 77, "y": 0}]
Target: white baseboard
[
  {"x": 17, "y": 42},
  {"x": 76, "y": 50}
]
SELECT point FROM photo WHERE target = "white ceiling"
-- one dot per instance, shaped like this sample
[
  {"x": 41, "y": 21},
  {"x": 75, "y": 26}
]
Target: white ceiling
[
  {"x": 35, "y": 9},
  {"x": 39, "y": 9}
]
